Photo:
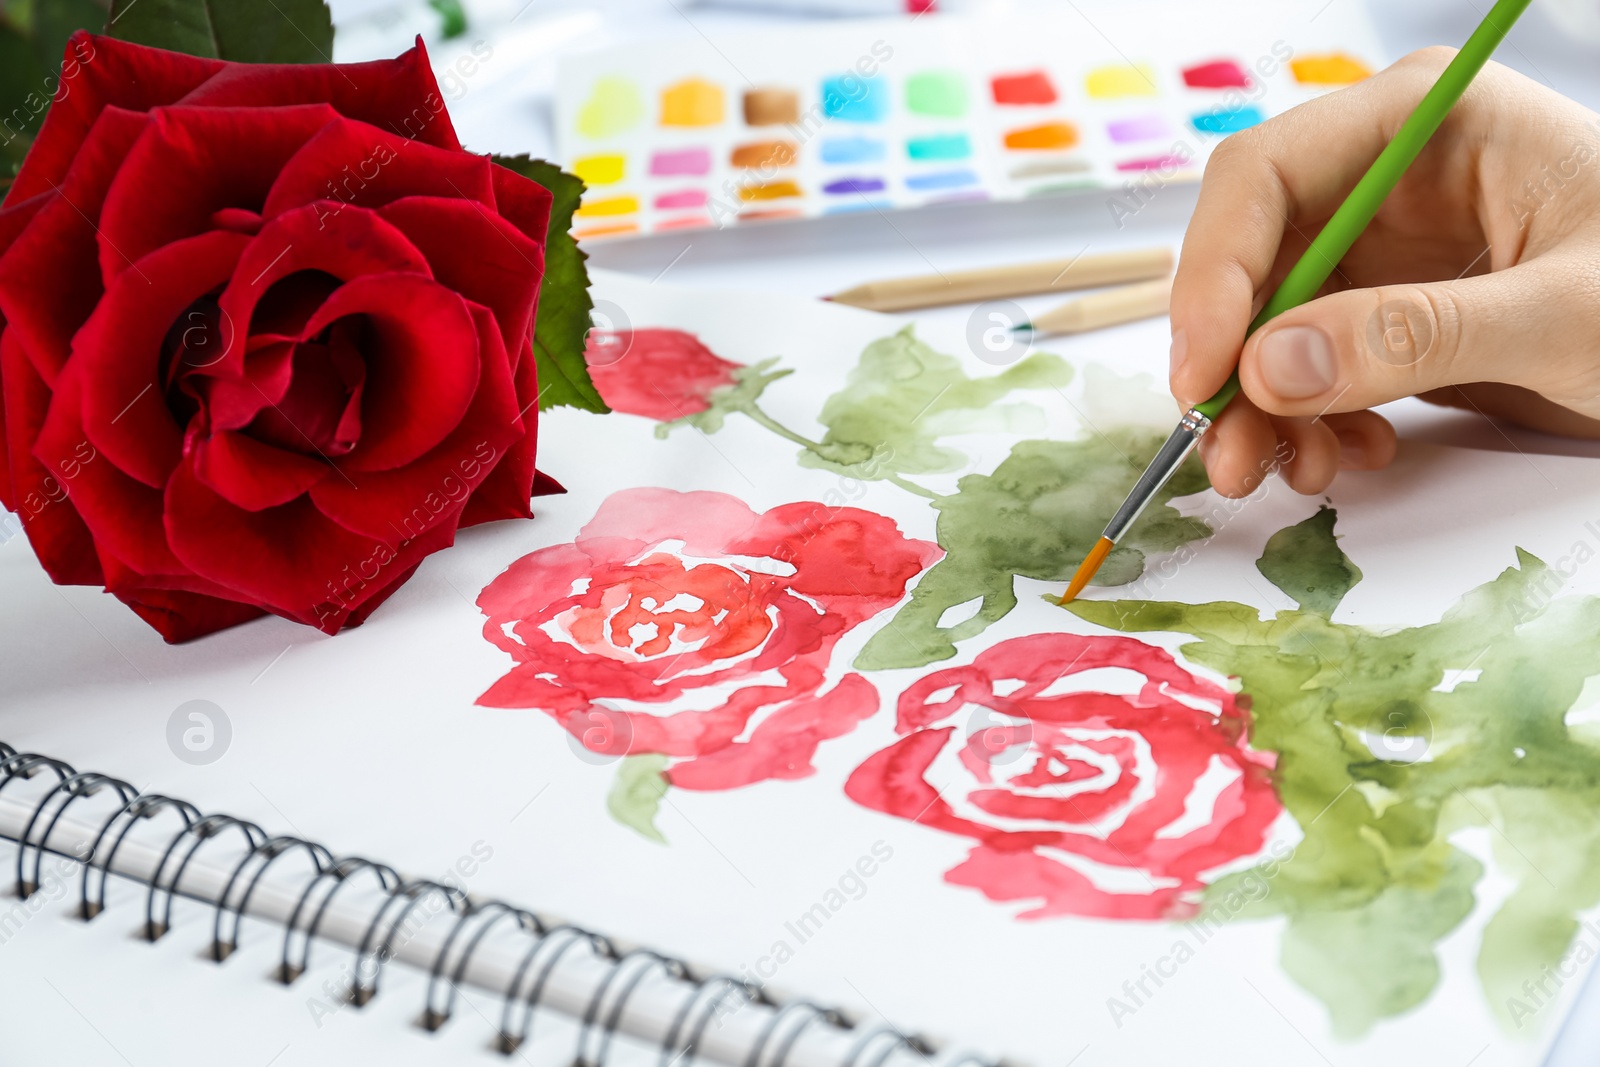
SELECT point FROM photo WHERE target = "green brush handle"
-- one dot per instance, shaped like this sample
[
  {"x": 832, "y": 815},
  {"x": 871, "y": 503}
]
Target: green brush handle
[{"x": 1331, "y": 245}]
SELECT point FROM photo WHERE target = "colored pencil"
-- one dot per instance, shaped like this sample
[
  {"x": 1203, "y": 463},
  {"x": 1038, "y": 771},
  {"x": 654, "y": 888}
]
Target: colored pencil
[
  {"x": 999, "y": 283},
  {"x": 1111, "y": 307}
]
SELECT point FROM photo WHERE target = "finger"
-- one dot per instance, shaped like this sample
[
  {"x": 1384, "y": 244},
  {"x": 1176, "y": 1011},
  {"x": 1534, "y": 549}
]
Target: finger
[
  {"x": 1299, "y": 164},
  {"x": 1313, "y": 453},
  {"x": 1365, "y": 347},
  {"x": 1366, "y": 440},
  {"x": 1239, "y": 449},
  {"x": 1514, "y": 404}
]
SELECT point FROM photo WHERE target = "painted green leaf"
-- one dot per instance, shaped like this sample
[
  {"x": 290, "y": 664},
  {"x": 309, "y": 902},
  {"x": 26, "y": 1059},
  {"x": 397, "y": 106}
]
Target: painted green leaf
[
  {"x": 1036, "y": 516},
  {"x": 1376, "y": 883},
  {"x": 903, "y": 396},
  {"x": 636, "y": 794},
  {"x": 749, "y": 382},
  {"x": 244, "y": 31},
  {"x": 564, "y": 300},
  {"x": 1307, "y": 564}
]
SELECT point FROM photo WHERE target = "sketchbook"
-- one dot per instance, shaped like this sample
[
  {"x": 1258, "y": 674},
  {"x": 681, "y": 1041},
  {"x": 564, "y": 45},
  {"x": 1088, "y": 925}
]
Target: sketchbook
[{"x": 772, "y": 747}]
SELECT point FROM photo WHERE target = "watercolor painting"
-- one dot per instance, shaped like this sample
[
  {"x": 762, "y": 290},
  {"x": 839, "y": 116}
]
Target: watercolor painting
[
  {"x": 884, "y": 115},
  {"x": 1278, "y": 765}
]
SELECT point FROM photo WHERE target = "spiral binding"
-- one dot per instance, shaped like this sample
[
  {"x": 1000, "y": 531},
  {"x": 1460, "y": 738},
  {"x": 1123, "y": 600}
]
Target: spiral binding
[{"x": 548, "y": 943}]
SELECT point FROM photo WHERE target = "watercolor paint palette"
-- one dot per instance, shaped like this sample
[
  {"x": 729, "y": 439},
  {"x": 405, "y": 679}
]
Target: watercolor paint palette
[{"x": 865, "y": 116}]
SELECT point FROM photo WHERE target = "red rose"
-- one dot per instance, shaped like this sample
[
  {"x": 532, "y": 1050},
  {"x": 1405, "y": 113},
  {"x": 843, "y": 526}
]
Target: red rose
[
  {"x": 264, "y": 334},
  {"x": 633, "y": 636},
  {"x": 1104, "y": 804},
  {"x": 658, "y": 373}
]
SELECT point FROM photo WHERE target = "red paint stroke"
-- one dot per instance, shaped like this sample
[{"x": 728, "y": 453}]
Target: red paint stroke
[
  {"x": 1022, "y": 750},
  {"x": 744, "y": 602},
  {"x": 658, "y": 373},
  {"x": 1032, "y": 87},
  {"x": 1218, "y": 74}
]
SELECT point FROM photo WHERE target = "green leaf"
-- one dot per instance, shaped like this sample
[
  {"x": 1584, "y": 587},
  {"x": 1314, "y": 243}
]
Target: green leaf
[
  {"x": 56, "y": 20},
  {"x": 244, "y": 31},
  {"x": 453, "y": 20},
  {"x": 749, "y": 382},
  {"x": 903, "y": 396},
  {"x": 564, "y": 301},
  {"x": 1036, "y": 516},
  {"x": 635, "y": 796},
  {"x": 1307, "y": 564}
]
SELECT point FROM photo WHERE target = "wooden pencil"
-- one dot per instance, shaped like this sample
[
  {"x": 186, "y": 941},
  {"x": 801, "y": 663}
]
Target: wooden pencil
[
  {"x": 1020, "y": 279},
  {"x": 1125, "y": 303}
]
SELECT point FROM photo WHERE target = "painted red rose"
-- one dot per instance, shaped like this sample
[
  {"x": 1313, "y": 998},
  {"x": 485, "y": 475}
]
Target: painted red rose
[
  {"x": 1096, "y": 798},
  {"x": 659, "y": 373},
  {"x": 686, "y": 624},
  {"x": 264, "y": 334}
]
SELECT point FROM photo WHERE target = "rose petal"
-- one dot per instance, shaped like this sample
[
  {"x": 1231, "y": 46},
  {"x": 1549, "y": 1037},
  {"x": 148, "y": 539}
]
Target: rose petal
[
  {"x": 291, "y": 559},
  {"x": 351, "y": 164},
  {"x": 253, "y": 475},
  {"x": 400, "y": 95},
  {"x": 100, "y": 72},
  {"x": 179, "y": 616},
  {"x": 1005, "y": 875},
  {"x": 784, "y": 744},
  {"x": 523, "y": 202},
  {"x": 50, "y": 278},
  {"x": 38, "y": 495},
  {"x": 191, "y": 162},
  {"x": 405, "y": 503},
  {"x": 422, "y": 364},
  {"x": 118, "y": 352},
  {"x": 479, "y": 255},
  {"x": 505, "y": 493},
  {"x": 346, "y": 246}
]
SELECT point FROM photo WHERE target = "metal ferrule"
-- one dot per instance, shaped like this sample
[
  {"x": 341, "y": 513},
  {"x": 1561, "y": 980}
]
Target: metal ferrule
[{"x": 1165, "y": 464}]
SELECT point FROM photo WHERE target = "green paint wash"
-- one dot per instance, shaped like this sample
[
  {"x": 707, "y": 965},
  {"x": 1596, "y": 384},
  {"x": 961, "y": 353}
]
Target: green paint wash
[
  {"x": 636, "y": 794},
  {"x": 1376, "y": 883},
  {"x": 1305, "y": 562},
  {"x": 942, "y": 93},
  {"x": 614, "y": 106},
  {"x": 902, "y": 397},
  {"x": 1036, "y": 516}
]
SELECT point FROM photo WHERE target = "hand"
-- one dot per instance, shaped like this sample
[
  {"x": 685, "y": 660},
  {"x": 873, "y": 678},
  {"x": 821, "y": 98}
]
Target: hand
[{"x": 1477, "y": 285}]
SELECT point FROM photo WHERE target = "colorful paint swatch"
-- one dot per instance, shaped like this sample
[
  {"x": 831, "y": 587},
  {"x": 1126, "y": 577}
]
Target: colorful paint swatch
[
  {"x": 854, "y": 185},
  {"x": 607, "y": 206},
  {"x": 1333, "y": 68},
  {"x": 614, "y": 106},
  {"x": 771, "y": 213},
  {"x": 853, "y": 150},
  {"x": 692, "y": 102},
  {"x": 1217, "y": 74},
  {"x": 941, "y": 93},
  {"x": 684, "y": 222},
  {"x": 1228, "y": 120},
  {"x": 1166, "y": 163},
  {"x": 681, "y": 161},
  {"x": 1116, "y": 82},
  {"x": 1138, "y": 128},
  {"x": 682, "y": 198},
  {"x": 1049, "y": 135},
  {"x": 600, "y": 170},
  {"x": 1044, "y": 168},
  {"x": 944, "y": 179},
  {"x": 852, "y": 98},
  {"x": 614, "y": 230},
  {"x": 939, "y": 146},
  {"x": 764, "y": 154},
  {"x": 768, "y": 191},
  {"x": 771, "y": 107},
  {"x": 1032, "y": 87}
]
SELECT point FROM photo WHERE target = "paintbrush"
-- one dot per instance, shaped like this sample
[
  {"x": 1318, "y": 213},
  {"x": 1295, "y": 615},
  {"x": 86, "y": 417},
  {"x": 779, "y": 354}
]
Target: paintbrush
[{"x": 1313, "y": 268}]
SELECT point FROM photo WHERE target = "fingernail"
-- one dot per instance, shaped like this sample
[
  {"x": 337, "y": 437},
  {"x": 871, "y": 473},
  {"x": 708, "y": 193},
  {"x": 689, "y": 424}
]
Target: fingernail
[
  {"x": 1297, "y": 362},
  {"x": 1352, "y": 452},
  {"x": 1180, "y": 350}
]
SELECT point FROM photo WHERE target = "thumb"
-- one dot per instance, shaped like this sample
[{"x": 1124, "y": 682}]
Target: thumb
[{"x": 1364, "y": 347}]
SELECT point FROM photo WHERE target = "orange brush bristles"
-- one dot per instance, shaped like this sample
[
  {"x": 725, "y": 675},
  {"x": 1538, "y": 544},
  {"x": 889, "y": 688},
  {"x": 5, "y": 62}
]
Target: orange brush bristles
[{"x": 1091, "y": 564}]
